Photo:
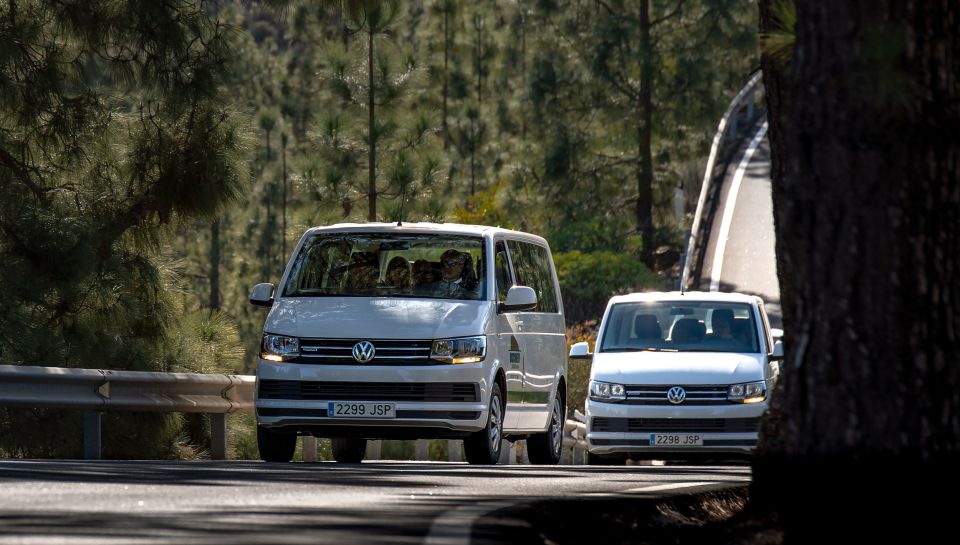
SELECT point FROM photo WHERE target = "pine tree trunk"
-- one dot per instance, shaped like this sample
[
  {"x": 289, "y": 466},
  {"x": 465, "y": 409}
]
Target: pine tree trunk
[
  {"x": 215, "y": 264},
  {"x": 867, "y": 202},
  {"x": 644, "y": 138},
  {"x": 371, "y": 125},
  {"x": 446, "y": 57},
  {"x": 283, "y": 231}
]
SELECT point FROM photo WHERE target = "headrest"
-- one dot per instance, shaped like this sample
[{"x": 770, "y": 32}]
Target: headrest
[
  {"x": 646, "y": 326},
  {"x": 688, "y": 330},
  {"x": 722, "y": 315}
]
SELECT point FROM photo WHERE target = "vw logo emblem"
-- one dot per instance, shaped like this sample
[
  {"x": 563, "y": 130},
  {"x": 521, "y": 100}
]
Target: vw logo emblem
[
  {"x": 675, "y": 395},
  {"x": 363, "y": 351}
]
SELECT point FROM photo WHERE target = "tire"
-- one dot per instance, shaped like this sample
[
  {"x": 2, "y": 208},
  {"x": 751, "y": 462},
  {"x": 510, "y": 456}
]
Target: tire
[
  {"x": 483, "y": 447},
  {"x": 544, "y": 448},
  {"x": 276, "y": 446},
  {"x": 348, "y": 450},
  {"x": 616, "y": 459}
]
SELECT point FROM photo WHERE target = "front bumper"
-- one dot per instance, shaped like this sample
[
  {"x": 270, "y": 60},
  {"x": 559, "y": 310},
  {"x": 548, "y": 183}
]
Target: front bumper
[
  {"x": 726, "y": 429},
  {"x": 430, "y": 400}
]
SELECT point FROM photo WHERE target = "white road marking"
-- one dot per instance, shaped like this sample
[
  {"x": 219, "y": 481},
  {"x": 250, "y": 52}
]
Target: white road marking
[
  {"x": 731, "y": 204},
  {"x": 665, "y": 487}
]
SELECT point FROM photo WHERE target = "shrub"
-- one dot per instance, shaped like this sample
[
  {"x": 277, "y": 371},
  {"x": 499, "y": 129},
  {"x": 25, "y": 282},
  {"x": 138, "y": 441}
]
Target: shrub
[{"x": 588, "y": 280}]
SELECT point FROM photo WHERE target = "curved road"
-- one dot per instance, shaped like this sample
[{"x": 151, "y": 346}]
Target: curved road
[
  {"x": 137, "y": 502},
  {"x": 741, "y": 253}
]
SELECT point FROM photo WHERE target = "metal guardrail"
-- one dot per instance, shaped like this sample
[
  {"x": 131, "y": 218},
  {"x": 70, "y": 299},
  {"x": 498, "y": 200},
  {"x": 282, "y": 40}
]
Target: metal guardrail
[
  {"x": 740, "y": 115},
  {"x": 94, "y": 391}
]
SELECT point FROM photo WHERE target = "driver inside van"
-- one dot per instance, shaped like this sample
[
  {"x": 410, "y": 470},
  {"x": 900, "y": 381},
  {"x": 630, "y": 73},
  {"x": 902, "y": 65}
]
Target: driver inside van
[{"x": 457, "y": 278}]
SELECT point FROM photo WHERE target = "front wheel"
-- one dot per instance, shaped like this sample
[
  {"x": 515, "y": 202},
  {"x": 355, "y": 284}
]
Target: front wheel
[
  {"x": 544, "y": 448},
  {"x": 275, "y": 446},
  {"x": 347, "y": 450},
  {"x": 483, "y": 447}
]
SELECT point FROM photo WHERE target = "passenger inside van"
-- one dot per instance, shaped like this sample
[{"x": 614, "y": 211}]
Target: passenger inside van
[
  {"x": 398, "y": 274},
  {"x": 364, "y": 271},
  {"x": 423, "y": 277}
]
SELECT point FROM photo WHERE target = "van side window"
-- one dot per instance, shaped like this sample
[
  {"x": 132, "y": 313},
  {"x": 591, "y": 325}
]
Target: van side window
[
  {"x": 503, "y": 272},
  {"x": 532, "y": 267}
]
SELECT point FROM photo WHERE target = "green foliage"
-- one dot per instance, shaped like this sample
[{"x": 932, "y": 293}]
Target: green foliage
[
  {"x": 587, "y": 280},
  {"x": 114, "y": 127},
  {"x": 779, "y": 41}
]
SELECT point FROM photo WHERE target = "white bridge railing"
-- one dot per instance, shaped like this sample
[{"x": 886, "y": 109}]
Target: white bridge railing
[{"x": 744, "y": 109}]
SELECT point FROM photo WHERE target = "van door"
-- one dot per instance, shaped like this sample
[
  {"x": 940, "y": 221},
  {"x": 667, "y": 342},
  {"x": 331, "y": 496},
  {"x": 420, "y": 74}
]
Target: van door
[
  {"x": 543, "y": 335},
  {"x": 509, "y": 342}
]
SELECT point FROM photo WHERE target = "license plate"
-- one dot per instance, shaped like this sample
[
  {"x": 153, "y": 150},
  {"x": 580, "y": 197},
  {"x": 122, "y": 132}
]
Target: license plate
[
  {"x": 676, "y": 440},
  {"x": 337, "y": 409}
]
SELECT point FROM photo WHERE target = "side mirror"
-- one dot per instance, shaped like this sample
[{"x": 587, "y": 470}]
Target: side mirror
[
  {"x": 580, "y": 351},
  {"x": 262, "y": 295},
  {"x": 519, "y": 298},
  {"x": 777, "y": 350},
  {"x": 776, "y": 333}
]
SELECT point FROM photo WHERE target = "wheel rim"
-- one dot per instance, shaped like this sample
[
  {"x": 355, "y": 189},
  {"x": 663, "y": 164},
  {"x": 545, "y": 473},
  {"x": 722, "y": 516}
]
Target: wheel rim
[
  {"x": 556, "y": 428},
  {"x": 496, "y": 420}
]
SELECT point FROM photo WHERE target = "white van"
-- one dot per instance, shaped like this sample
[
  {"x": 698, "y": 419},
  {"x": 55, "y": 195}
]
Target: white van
[
  {"x": 419, "y": 330},
  {"x": 679, "y": 375}
]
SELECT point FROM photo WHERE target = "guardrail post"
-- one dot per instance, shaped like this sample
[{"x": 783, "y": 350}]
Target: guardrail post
[
  {"x": 91, "y": 435},
  {"x": 373, "y": 450},
  {"x": 455, "y": 450},
  {"x": 421, "y": 450},
  {"x": 218, "y": 436},
  {"x": 308, "y": 448}
]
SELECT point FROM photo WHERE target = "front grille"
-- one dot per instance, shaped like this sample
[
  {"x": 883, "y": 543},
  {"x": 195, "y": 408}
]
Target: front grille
[
  {"x": 701, "y": 425},
  {"x": 639, "y": 394},
  {"x": 388, "y": 352},
  {"x": 446, "y": 392}
]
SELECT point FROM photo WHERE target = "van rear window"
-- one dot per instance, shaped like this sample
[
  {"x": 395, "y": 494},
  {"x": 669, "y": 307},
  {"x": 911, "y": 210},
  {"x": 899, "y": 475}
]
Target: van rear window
[{"x": 378, "y": 264}]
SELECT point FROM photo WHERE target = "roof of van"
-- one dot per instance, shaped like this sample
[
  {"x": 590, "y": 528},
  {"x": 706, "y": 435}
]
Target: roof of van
[
  {"x": 418, "y": 227},
  {"x": 718, "y": 296}
]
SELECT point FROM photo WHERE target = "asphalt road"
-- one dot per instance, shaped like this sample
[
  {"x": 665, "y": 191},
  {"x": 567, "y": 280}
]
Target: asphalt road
[
  {"x": 149, "y": 502},
  {"x": 741, "y": 253}
]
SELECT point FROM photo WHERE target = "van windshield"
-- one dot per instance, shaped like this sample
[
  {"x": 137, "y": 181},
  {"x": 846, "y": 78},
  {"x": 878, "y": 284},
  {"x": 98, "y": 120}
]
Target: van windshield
[
  {"x": 386, "y": 264},
  {"x": 682, "y": 326}
]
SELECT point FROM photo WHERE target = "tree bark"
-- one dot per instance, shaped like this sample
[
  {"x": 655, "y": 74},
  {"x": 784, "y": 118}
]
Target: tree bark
[
  {"x": 866, "y": 180},
  {"x": 644, "y": 132}
]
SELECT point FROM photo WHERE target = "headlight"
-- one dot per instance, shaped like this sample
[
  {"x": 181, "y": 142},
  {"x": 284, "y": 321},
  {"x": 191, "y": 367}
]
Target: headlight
[
  {"x": 462, "y": 350},
  {"x": 279, "y": 348},
  {"x": 750, "y": 392},
  {"x": 606, "y": 391}
]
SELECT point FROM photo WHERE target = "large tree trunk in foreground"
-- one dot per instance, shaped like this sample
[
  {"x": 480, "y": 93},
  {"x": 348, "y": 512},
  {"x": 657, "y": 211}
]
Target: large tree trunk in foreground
[{"x": 868, "y": 217}]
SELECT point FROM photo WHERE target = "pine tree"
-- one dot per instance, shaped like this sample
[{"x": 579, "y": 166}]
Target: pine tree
[{"x": 115, "y": 127}]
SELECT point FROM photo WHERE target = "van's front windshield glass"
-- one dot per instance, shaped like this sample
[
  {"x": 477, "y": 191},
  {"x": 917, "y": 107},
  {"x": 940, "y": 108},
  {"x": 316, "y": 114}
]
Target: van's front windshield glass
[
  {"x": 386, "y": 264},
  {"x": 680, "y": 326}
]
